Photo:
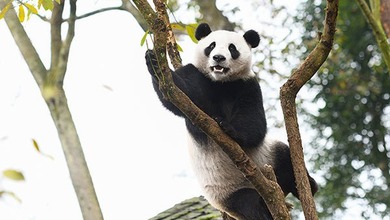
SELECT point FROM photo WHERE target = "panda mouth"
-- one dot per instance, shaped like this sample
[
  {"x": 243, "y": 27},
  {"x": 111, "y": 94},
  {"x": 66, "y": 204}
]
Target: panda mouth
[{"x": 219, "y": 69}]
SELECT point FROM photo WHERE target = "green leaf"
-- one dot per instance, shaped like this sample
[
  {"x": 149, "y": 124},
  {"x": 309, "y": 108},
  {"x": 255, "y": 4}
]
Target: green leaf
[
  {"x": 5, "y": 9},
  {"x": 21, "y": 13},
  {"x": 179, "y": 48},
  {"x": 47, "y": 4},
  {"x": 13, "y": 175},
  {"x": 178, "y": 26},
  {"x": 36, "y": 146},
  {"x": 191, "y": 28},
  {"x": 144, "y": 37}
]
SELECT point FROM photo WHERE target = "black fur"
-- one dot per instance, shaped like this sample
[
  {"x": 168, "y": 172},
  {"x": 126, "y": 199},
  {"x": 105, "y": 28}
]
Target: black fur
[
  {"x": 202, "y": 31},
  {"x": 208, "y": 49},
  {"x": 284, "y": 171},
  {"x": 252, "y": 37},
  {"x": 233, "y": 51},
  {"x": 247, "y": 204}
]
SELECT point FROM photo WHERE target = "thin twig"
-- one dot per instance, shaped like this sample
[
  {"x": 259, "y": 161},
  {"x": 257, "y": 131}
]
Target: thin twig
[{"x": 99, "y": 11}]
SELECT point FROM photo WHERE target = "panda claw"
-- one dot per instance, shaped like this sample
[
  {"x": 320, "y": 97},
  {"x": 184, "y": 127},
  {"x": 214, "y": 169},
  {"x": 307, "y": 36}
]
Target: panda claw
[
  {"x": 151, "y": 61},
  {"x": 226, "y": 127}
]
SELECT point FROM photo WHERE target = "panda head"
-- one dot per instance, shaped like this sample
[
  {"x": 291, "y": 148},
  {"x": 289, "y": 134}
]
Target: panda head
[{"x": 225, "y": 55}]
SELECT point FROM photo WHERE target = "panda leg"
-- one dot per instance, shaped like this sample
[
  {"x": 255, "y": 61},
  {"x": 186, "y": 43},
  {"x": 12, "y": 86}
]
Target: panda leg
[
  {"x": 284, "y": 171},
  {"x": 247, "y": 204}
]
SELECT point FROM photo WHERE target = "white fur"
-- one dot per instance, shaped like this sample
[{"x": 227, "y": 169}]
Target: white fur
[
  {"x": 216, "y": 173},
  {"x": 239, "y": 68}
]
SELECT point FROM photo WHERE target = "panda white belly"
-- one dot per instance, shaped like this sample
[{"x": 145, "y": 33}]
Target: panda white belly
[{"x": 217, "y": 174}]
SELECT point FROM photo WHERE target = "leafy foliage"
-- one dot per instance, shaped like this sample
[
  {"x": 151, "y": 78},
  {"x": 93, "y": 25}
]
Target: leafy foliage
[
  {"x": 352, "y": 148},
  {"x": 189, "y": 28},
  {"x": 30, "y": 7}
]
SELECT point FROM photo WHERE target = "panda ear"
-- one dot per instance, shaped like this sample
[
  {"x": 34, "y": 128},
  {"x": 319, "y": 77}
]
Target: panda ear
[
  {"x": 202, "y": 31},
  {"x": 252, "y": 38}
]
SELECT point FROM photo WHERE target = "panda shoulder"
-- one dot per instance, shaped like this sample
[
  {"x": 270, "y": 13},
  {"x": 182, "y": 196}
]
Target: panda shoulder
[
  {"x": 187, "y": 69},
  {"x": 252, "y": 88},
  {"x": 191, "y": 73}
]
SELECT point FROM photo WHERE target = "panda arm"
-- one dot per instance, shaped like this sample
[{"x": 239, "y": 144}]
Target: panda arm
[
  {"x": 180, "y": 78},
  {"x": 246, "y": 122}
]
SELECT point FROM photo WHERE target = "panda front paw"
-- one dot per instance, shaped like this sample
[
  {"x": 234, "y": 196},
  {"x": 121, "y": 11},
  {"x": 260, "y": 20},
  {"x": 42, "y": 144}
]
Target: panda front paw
[
  {"x": 151, "y": 62},
  {"x": 226, "y": 127}
]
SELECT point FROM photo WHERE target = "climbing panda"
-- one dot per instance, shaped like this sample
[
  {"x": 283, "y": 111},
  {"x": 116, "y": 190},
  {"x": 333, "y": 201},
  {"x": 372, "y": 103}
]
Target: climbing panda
[{"x": 221, "y": 83}]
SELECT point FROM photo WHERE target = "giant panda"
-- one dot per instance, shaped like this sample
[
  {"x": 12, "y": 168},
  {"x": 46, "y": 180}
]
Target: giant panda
[{"x": 221, "y": 83}]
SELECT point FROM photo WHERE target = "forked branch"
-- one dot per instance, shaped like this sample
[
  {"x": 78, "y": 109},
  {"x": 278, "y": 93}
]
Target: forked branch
[{"x": 288, "y": 94}]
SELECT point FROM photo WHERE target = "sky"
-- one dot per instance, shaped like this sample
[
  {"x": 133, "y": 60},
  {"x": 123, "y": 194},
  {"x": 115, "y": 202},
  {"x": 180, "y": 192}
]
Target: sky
[{"x": 135, "y": 149}]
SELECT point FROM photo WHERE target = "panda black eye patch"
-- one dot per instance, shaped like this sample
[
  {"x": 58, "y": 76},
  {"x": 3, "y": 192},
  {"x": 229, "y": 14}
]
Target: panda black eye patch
[
  {"x": 233, "y": 51},
  {"x": 208, "y": 49}
]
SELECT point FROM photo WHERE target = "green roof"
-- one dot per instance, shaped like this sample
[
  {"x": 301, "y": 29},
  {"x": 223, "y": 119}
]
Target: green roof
[{"x": 196, "y": 208}]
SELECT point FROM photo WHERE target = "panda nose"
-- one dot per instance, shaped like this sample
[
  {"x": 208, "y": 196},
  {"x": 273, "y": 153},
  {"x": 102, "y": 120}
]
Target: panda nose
[{"x": 219, "y": 58}]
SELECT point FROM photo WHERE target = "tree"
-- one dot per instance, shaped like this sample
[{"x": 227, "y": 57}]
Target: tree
[
  {"x": 50, "y": 81},
  {"x": 352, "y": 123}
]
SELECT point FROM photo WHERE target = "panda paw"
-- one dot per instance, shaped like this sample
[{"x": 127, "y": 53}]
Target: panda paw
[
  {"x": 151, "y": 62},
  {"x": 226, "y": 127}
]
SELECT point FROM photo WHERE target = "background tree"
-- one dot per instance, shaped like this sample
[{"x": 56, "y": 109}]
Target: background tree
[
  {"x": 352, "y": 147},
  {"x": 50, "y": 81}
]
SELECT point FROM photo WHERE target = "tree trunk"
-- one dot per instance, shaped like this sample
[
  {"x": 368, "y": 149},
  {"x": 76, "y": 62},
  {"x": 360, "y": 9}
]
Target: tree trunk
[
  {"x": 50, "y": 84},
  {"x": 71, "y": 145}
]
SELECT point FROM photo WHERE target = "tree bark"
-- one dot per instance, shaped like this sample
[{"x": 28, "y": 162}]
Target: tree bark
[
  {"x": 385, "y": 16},
  {"x": 288, "y": 94},
  {"x": 50, "y": 83}
]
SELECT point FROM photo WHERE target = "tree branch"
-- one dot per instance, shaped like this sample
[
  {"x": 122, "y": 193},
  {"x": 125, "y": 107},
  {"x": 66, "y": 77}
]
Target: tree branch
[
  {"x": 65, "y": 47},
  {"x": 288, "y": 94},
  {"x": 128, "y": 6},
  {"x": 170, "y": 40},
  {"x": 99, "y": 11},
  {"x": 270, "y": 190},
  {"x": 25, "y": 46},
  {"x": 379, "y": 33},
  {"x": 60, "y": 48},
  {"x": 55, "y": 33}
]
